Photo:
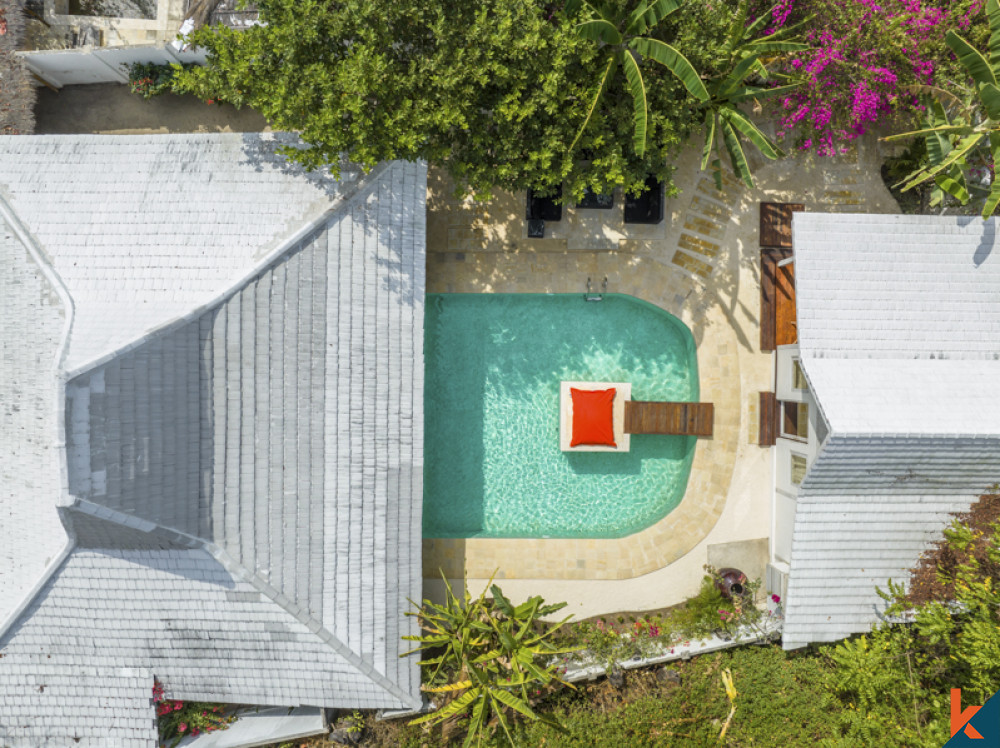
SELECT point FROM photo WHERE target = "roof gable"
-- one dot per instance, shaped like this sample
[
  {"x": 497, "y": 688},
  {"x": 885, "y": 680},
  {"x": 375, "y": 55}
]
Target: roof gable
[{"x": 32, "y": 326}]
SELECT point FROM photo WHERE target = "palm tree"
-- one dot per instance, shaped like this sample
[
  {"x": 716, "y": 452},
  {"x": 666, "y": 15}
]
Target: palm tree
[
  {"x": 624, "y": 42},
  {"x": 952, "y": 144},
  {"x": 745, "y": 60}
]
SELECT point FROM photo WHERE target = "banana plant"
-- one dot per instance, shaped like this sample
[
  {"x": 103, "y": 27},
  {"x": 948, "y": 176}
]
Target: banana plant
[
  {"x": 724, "y": 122},
  {"x": 625, "y": 42},
  {"x": 487, "y": 654},
  {"x": 952, "y": 145}
]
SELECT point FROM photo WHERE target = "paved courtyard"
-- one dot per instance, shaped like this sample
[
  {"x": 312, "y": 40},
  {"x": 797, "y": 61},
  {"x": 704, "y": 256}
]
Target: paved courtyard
[{"x": 701, "y": 264}]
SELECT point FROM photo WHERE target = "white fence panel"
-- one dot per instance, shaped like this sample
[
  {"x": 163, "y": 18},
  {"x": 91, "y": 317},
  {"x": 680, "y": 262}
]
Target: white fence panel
[{"x": 69, "y": 67}]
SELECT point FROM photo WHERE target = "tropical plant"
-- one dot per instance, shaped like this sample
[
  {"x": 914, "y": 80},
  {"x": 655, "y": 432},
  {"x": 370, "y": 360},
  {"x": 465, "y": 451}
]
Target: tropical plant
[
  {"x": 745, "y": 58},
  {"x": 625, "y": 41},
  {"x": 488, "y": 659},
  {"x": 955, "y": 145}
]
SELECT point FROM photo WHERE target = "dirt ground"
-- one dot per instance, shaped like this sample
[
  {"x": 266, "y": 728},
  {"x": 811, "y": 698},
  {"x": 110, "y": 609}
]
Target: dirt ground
[{"x": 110, "y": 108}]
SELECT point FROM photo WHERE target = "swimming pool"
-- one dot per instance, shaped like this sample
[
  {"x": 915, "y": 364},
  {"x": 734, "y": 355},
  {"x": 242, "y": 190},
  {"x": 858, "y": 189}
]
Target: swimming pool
[{"x": 492, "y": 463}]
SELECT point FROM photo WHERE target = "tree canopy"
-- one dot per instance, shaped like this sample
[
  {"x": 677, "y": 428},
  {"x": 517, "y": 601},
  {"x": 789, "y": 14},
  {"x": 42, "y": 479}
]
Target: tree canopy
[{"x": 494, "y": 91}]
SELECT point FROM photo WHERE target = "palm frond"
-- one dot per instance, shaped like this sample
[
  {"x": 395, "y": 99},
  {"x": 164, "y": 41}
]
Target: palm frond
[
  {"x": 599, "y": 30},
  {"x": 736, "y": 155},
  {"x": 640, "y": 113},
  {"x": 593, "y": 104},
  {"x": 752, "y": 133},
  {"x": 675, "y": 62},
  {"x": 706, "y": 152},
  {"x": 975, "y": 64}
]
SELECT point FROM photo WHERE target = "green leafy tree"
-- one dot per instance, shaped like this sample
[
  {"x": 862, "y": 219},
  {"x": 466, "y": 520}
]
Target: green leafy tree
[
  {"x": 487, "y": 657},
  {"x": 500, "y": 93},
  {"x": 490, "y": 91},
  {"x": 970, "y": 137}
]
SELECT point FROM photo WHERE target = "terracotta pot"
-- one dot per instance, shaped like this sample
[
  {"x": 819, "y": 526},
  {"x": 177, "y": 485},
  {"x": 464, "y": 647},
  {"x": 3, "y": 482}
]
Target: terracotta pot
[{"x": 732, "y": 583}]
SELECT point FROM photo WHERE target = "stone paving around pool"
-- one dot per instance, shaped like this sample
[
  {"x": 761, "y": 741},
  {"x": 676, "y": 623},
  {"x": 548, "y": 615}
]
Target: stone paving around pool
[{"x": 701, "y": 264}]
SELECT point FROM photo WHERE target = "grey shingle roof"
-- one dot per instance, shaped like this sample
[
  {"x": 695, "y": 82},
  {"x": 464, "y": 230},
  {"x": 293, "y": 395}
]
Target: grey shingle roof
[
  {"x": 256, "y": 437},
  {"x": 899, "y": 334}
]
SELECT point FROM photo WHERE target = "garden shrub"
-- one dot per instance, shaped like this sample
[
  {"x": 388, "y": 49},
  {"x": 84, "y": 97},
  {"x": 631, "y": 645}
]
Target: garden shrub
[
  {"x": 149, "y": 79},
  {"x": 487, "y": 661},
  {"x": 178, "y": 719},
  {"x": 783, "y": 700}
]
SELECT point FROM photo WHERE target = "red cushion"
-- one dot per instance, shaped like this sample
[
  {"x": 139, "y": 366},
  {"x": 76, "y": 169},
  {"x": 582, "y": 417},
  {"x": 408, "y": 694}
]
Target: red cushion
[{"x": 593, "y": 423}]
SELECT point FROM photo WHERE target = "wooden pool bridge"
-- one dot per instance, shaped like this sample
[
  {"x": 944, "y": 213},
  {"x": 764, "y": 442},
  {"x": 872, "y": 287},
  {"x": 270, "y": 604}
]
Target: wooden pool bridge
[{"x": 686, "y": 419}]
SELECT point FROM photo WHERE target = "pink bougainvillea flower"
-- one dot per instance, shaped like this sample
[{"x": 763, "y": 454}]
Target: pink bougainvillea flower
[
  {"x": 182, "y": 727},
  {"x": 775, "y": 599}
]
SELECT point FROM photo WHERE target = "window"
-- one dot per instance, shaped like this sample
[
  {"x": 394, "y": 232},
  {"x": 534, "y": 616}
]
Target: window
[
  {"x": 798, "y": 377},
  {"x": 798, "y": 465},
  {"x": 794, "y": 420}
]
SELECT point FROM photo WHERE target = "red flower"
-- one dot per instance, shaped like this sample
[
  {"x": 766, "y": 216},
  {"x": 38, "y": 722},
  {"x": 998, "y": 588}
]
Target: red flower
[{"x": 182, "y": 727}]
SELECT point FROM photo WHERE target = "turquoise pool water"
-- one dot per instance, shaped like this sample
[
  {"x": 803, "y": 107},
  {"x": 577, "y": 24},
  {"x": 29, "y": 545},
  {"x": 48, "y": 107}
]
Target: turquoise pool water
[{"x": 492, "y": 464}]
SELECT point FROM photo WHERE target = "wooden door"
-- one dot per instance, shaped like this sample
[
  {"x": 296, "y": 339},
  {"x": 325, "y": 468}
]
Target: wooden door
[{"x": 785, "y": 332}]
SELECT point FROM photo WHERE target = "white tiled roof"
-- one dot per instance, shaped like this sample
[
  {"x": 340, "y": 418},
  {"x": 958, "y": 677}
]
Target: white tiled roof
[
  {"x": 899, "y": 336},
  {"x": 32, "y": 321},
  {"x": 145, "y": 229},
  {"x": 890, "y": 286},
  {"x": 915, "y": 396},
  {"x": 262, "y": 445},
  {"x": 82, "y": 662},
  {"x": 847, "y": 545}
]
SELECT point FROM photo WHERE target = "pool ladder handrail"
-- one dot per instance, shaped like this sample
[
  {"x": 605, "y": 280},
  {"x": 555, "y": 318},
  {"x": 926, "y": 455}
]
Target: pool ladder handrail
[{"x": 591, "y": 296}]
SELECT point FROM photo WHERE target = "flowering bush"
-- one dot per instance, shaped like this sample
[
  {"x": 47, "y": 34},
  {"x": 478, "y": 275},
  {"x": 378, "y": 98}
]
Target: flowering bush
[
  {"x": 149, "y": 79},
  {"x": 709, "y": 613},
  {"x": 178, "y": 719},
  {"x": 868, "y": 61},
  {"x": 608, "y": 642}
]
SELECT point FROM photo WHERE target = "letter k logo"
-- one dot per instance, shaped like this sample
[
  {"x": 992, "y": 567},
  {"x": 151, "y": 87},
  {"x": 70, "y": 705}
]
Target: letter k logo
[{"x": 960, "y": 719}]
